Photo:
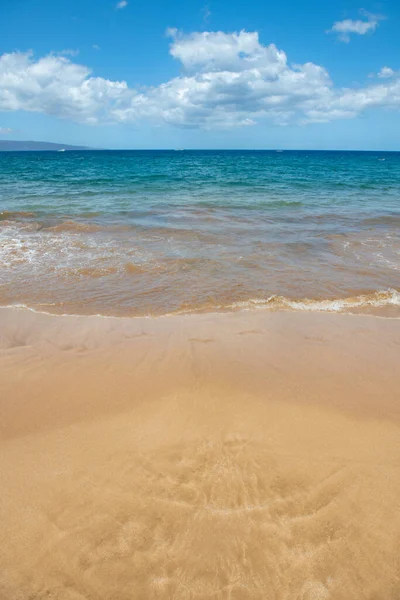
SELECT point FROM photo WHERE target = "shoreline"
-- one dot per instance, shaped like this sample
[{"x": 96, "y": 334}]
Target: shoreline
[
  {"x": 252, "y": 454},
  {"x": 376, "y": 304},
  {"x": 7, "y": 312}
]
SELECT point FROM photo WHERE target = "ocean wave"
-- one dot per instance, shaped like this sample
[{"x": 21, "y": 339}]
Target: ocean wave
[
  {"x": 376, "y": 299},
  {"x": 245, "y": 206},
  {"x": 392, "y": 220},
  {"x": 73, "y": 227},
  {"x": 47, "y": 252},
  {"x": 15, "y": 215}
]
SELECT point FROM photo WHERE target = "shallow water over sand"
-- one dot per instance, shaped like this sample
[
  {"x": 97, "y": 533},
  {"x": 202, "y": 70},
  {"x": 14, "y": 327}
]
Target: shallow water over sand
[{"x": 137, "y": 233}]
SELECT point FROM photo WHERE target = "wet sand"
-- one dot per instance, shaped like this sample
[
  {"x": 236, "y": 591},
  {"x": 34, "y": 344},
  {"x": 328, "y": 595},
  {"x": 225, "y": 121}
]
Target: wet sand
[{"x": 251, "y": 455}]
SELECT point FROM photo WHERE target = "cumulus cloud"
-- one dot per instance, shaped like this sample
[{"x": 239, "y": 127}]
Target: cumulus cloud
[
  {"x": 5, "y": 130},
  {"x": 360, "y": 26},
  {"x": 386, "y": 72},
  {"x": 56, "y": 86},
  {"x": 227, "y": 80},
  {"x": 122, "y": 4},
  {"x": 218, "y": 51}
]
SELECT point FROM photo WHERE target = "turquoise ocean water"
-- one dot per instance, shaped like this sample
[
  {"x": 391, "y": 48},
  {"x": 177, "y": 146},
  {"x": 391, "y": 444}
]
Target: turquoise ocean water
[{"x": 160, "y": 232}]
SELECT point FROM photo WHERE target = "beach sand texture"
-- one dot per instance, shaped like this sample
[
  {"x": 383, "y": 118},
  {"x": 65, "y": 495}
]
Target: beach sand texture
[{"x": 251, "y": 455}]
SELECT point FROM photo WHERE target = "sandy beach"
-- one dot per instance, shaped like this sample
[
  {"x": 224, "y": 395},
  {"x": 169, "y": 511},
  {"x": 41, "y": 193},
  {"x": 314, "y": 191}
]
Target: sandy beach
[{"x": 251, "y": 455}]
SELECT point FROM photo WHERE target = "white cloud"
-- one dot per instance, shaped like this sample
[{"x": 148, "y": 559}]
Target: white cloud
[
  {"x": 206, "y": 13},
  {"x": 218, "y": 51},
  {"x": 386, "y": 72},
  {"x": 122, "y": 4},
  {"x": 56, "y": 86},
  {"x": 95, "y": 47},
  {"x": 5, "y": 130},
  {"x": 68, "y": 52},
  {"x": 227, "y": 80},
  {"x": 361, "y": 27}
]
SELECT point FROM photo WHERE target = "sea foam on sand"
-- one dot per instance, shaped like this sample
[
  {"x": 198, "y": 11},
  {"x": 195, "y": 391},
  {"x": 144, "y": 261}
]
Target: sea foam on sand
[{"x": 247, "y": 455}]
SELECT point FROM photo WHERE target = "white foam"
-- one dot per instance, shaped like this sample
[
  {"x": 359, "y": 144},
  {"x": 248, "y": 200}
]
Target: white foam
[
  {"x": 379, "y": 299},
  {"x": 32, "y": 252}
]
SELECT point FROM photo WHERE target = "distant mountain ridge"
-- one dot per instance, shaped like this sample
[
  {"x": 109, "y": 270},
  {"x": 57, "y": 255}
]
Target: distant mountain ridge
[{"x": 12, "y": 146}]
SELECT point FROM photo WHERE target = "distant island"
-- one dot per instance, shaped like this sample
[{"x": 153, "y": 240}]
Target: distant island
[{"x": 12, "y": 146}]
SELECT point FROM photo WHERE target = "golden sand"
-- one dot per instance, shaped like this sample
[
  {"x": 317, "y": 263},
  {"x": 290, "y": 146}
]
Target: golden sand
[{"x": 241, "y": 456}]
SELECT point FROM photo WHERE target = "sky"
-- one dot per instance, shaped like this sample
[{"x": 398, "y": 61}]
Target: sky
[{"x": 294, "y": 74}]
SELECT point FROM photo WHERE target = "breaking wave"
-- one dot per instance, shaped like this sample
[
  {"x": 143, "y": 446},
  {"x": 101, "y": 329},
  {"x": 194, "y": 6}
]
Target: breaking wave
[{"x": 377, "y": 299}]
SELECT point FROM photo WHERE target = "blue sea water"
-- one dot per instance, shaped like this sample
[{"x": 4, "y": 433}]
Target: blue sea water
[{"x": 157, "y": 232}]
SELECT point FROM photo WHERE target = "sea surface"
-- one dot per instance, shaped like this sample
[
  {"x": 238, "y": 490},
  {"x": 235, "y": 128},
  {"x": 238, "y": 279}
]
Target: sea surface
[{"x": 164, "y": 232}]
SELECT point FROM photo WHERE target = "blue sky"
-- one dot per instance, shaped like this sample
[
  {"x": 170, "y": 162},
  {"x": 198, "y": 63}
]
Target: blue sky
[{"x": 217, "y": 74}]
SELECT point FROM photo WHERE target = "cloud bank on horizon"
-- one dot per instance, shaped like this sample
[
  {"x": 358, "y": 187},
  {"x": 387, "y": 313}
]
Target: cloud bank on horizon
[{"x": 227, "y": 80}]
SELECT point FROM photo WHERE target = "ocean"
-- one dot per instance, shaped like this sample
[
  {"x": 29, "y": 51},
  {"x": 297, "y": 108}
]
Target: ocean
[{"x": 170, "y": 232}]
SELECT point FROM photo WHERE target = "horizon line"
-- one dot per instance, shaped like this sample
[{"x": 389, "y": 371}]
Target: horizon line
[{"x": 82, "y": 148}]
